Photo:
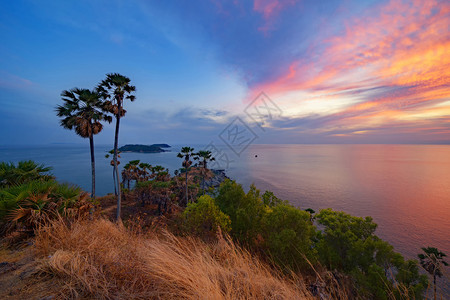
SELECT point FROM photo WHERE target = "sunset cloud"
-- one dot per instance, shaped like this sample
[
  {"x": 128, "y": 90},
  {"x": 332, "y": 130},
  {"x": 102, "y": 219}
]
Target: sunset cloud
[
  {"x": 270, "y": 10},
  {"x": 389, "y": 61}
]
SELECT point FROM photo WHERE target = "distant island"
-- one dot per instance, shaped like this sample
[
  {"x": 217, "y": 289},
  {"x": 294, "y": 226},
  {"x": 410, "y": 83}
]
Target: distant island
[{"x": 155, "y": 148}]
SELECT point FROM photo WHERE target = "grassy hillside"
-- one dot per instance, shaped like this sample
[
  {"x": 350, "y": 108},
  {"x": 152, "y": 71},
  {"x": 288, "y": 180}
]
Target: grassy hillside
[{"x": 98, "y": 259}]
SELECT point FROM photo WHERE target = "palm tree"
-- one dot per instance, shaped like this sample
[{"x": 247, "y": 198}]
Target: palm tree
[
  {"x": 82, "y": 111},
  {"x": 115, "y": 89},
  {"x": 160, "y": 173},
  {"x": 111, "y": 152},
  {"x": 186, "y": 153},
  {"x": 144, "y": 175},
  {"x": 127, "y": 175},
  {"x": 432, "y": 261},
  {"x": 205, "y": 156}
]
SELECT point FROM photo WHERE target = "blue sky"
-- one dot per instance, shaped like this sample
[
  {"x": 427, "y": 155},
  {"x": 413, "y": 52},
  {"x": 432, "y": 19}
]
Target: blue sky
[{"x": 340, "y": 71}]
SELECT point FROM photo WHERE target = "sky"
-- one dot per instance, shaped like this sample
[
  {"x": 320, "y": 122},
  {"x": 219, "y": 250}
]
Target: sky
[{"x": 336, "y": 71}]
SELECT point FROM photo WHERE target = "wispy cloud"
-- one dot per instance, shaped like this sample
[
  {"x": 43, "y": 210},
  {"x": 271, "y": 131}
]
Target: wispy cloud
[
  {"x": 11, "y": 81},
  {"x": 270, "y": 9}
]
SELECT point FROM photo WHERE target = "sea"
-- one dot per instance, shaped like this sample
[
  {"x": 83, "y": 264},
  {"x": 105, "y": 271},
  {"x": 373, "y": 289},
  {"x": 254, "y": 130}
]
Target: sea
[{"x": 404, "y": 188}]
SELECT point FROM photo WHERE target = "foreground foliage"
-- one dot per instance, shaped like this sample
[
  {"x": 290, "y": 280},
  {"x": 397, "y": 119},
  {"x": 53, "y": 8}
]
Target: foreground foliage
[
  {"x": 25, "y": 171},
  {"x": 344, "y": 243},
  {"x": 29, "y": 205},
  {"x": 101, "y": 260},
  {"x": 348, "y": 244},
  {"x": 30, "y": 197}
]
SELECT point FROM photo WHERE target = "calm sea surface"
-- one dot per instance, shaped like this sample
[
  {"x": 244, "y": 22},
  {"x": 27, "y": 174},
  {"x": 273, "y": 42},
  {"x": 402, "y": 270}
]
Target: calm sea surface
[{"x": 405, "y": 188}]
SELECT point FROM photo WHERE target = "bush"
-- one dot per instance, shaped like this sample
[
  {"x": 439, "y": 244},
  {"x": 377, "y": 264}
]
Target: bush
[
  {"x": 288, "y": 234},
  {"x": 271, "y": 200},
  {"x": 204, "y": 218},
  {"x": 23, "y": 172},
  {"x": 32, "y": 203},
  {"x": 245, "y": 210},
  {"x": 269, "y": 224},
  {"x": 344, "y": 237},
  {"x": 348, "y": 244}
]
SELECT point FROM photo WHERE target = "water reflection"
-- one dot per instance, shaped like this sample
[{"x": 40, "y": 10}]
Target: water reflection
[{"x": 405, "y": 188}]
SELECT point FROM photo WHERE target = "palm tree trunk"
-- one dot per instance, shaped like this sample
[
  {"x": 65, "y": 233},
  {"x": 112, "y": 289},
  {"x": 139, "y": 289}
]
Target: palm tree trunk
[
  {"x": 187, "y": 199},
  {"x": 203, "y": 181},
  {"x": 434, "y": 281},
  {"x": 114, "y": 180},
  {"x": 203, "y": 185},
  {"x": 116, "y": 169},
  {"x": 203, "y": 177},
  {"x": 91, "y": 144}
]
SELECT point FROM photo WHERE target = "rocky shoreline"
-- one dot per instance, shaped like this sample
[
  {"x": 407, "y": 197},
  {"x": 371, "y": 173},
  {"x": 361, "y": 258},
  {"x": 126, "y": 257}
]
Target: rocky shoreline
[{"x": 219, "y": 177}]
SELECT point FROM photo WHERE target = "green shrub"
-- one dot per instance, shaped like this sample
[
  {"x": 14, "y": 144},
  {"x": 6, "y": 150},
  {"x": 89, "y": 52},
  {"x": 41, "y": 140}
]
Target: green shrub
[
  {"x": 348, "y": 244},
  {"x": 288, "y": 234},
  {"x": 345, "y": 243},
  {"x": 203, "y": 218},
  {"x": 269, "y": 224},
  {"x": 153, "y": 184},
  {"x": 245, "y": 210},
  {"x": 29, "y": 204},
  {"x": 343, "y": 237},
  {"x": 23, "y": 172},
  {"x": 271, "y": 200}
]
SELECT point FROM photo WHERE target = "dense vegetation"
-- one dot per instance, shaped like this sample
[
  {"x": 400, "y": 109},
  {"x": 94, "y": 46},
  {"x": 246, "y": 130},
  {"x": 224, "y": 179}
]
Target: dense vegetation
[
  {"x": 284, "y": 236},
  {"x": 344, "y": 243},
  {"x": 25, "y": 171},
  {"x": 30, "y": 196}
]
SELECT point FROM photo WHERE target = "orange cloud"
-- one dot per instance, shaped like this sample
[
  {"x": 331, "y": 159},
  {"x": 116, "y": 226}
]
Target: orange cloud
[{"x": 402, "y": 48}]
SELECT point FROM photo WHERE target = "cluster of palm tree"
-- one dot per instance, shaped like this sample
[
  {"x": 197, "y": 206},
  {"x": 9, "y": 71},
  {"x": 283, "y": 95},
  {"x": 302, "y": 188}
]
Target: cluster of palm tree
[
  {"x": 203, "y": 156},
  {"x": 139, "y": 172},
  {"x": 84, "y": 111}
]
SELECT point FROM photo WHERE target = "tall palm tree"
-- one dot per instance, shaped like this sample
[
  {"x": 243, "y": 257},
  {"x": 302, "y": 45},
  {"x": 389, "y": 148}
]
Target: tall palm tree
[
  {"x": 82, "y": 110},
  {"x": 186, "y": 153},
  {"x": 432, "y": 260},
  {"x": 204, "y": 157},
  {"x": 114, "y": 90}
]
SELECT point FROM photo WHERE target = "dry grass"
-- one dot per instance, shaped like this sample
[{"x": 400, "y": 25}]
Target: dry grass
[{"x": 99, "y": 259}]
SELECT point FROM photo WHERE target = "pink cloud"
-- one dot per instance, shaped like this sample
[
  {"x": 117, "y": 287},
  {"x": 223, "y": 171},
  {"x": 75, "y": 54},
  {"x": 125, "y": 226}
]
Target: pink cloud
[{"x": 270, "y": 9}]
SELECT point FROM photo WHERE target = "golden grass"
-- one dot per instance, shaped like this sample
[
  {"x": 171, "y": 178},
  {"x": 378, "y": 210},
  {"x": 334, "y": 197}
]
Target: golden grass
[{"x": 102, "y": 260}]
